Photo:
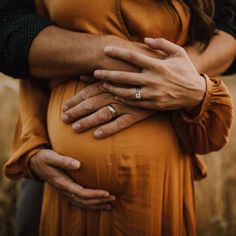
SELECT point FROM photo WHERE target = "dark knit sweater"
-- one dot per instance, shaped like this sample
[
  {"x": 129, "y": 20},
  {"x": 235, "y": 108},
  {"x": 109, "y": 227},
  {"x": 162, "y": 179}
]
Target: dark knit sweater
[{"x": 19, "y": 25}]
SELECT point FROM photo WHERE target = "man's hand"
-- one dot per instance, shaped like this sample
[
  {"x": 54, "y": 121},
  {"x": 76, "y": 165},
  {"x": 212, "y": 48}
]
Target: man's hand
[
  {"x": 87, "y": 109},
  {"x": 50, "y": 166}
]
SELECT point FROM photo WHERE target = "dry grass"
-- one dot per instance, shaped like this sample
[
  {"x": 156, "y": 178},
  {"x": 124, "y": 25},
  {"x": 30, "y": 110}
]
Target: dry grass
[
  {"x": 8, "y": 189},
  {"x": 216, "y": 196}
]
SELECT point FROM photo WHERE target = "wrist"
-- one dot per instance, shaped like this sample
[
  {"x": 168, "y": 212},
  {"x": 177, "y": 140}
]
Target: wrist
[
  {"x": 199, "y": 93},
  {"x": 31, "y": 162}
]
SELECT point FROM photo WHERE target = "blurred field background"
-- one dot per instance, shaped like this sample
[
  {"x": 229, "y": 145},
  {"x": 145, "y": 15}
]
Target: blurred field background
[{"x": 215, "y": 196}]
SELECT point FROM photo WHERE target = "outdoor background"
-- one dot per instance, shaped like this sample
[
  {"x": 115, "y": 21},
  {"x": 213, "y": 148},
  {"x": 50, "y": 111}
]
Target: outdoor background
[{"x": 215, "y": 196}]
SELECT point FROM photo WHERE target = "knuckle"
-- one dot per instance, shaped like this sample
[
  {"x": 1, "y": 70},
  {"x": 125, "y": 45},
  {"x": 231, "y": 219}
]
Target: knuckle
[
  {"x": 85, "y": 124},
  {"x": 104, "y": 114},
  {"x": 100, "y": 86},
  {"x": 88, "y": 105},
  {"x": 70, "y": 114},
  {"x": 43, "y": 154},
  {"x": 84, "y": 94},
  {"x": 108, "y": 96},
  {"x": 131, "y": 55},
  {"x": 160, "y": 104},
  {"x": 180, "y": 50},
  {"x": 122, "y": 123},
  {"x": 162, "y": 68},
  {"x": 161, "y": 42}
]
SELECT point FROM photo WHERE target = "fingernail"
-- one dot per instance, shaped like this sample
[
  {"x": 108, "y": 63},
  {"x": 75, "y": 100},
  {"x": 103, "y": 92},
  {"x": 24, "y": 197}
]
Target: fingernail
[
  {"x": 65, "y": 117},
  {"x": 106, "y": 194},
  {"x": 97, "y": 73},
  {"x": 108, "y": 49},
  {"x": 75, "y": 164},
  {"x": 105, "y": 85},
  {"x": 98, "y": 134},
  {"x": 76, "y": 126},
  {"x": 149, "y": 40},
  {"x": 113, "y": 198},
  {"x": 64, "y": 108}
]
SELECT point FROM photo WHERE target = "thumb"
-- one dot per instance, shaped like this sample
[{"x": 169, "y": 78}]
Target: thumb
[
  {"x": 164, "y": 45},
  {"x": 63, "y": 162}
]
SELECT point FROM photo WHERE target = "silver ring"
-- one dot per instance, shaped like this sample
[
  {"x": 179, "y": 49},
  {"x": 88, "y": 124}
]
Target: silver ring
[
  {"x": 138, "y": 95},
  {"x": 112, "y": 110}
]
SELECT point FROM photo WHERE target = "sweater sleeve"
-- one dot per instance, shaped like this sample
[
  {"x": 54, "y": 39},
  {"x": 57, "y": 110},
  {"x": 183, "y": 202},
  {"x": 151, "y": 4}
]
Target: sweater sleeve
[{"x": 19, "y": 25}]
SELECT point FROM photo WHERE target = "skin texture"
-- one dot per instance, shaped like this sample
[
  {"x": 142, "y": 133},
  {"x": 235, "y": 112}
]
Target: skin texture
[
  {"x": 70, "y": 54},
  {"x": 217, "y": 57},
  {"x": 69, "y": 59},
  {"x": 50, "y": 167},
  {"x": 211, "y": 61},
  {"x": 167, "y": 84}
]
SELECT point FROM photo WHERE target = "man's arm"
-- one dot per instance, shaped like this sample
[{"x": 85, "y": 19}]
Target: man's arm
[
  {"x": 217, "y": 57},
  {"x": 220, "y": 55},
  {"x": 27, "y": 48},
  {"x": 225, "y": 18}
]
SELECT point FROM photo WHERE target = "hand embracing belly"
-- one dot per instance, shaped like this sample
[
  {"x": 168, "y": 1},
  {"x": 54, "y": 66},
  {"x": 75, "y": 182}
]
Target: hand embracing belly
[{"x": 110, "y": 163}]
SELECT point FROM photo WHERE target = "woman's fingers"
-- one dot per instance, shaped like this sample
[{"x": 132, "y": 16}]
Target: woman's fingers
[
  {"x": 130, "y": 56},
  {"x": 87, "y": 92},
  {"x": 61, "y": 180},
  {"x": 51, "y": 166},
  {"x": 96, "y": 203},
  {"x": 54, "y": 159},
  {"x": 119, "y": 77},
  {"x": 120, "y": 123},
  {"x": 164, "y": 45},
  {"x": 97, "y": 118}
]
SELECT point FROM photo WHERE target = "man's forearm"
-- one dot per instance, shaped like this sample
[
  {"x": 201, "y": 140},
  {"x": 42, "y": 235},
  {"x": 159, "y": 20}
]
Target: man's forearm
[
  {"x": 56, "y": 52},
  {"x": 218, "y": 56}
]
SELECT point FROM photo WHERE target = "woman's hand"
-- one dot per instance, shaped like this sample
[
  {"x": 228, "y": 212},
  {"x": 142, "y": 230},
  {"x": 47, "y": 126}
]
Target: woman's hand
[
  {"x": 163, "y": 84},
  {"x": 88, "y": 108},
  {"x": 50, "y": 166}
]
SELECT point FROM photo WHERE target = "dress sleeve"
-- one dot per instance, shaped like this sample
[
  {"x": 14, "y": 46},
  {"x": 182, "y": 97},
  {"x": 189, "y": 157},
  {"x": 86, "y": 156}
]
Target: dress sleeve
[
  {"x": 31, "y": 130},
  {"x": 19, "y": 25},
  {"x": 208, "y": 130}
]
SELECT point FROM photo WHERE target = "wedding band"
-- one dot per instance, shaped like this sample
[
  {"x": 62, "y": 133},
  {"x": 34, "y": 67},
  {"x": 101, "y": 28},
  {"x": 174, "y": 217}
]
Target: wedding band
[
  {"x": 112, "y": 110},
  {"x": 138, "y": 94}
]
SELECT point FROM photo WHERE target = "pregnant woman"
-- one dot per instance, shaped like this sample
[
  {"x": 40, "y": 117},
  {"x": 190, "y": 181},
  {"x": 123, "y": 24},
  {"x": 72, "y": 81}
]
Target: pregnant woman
[{"x": 148, "y": 167}]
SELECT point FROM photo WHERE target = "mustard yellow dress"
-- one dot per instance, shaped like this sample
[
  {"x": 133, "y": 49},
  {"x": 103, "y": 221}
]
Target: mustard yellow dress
[{"x": 149, "y": 166}]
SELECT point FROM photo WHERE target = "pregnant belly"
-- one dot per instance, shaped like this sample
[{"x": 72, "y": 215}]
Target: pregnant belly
[{"x": 110, "y": 163}]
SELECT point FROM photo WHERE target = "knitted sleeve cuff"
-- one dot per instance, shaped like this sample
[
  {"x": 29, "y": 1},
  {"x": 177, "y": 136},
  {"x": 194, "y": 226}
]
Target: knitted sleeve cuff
[{"x": 18, "y": 36}]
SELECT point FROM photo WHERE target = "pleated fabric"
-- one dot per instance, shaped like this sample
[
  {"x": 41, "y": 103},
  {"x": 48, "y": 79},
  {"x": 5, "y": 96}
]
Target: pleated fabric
[{"x": 150, "y": 166}]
